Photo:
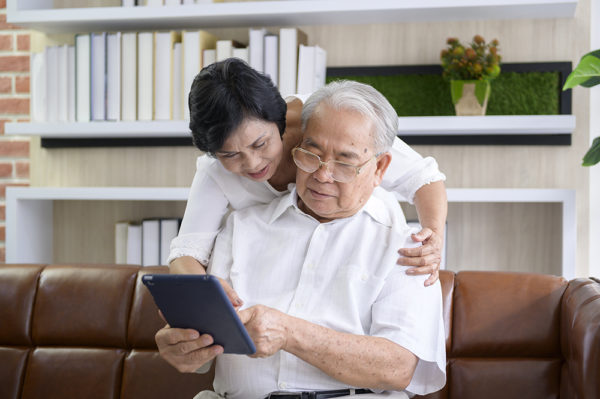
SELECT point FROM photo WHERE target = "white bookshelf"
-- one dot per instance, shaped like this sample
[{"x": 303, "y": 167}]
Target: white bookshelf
[
  {"x": 39, "y": 14},
  {"x": 29, "y": 213},
  {"x": 422, "y": 125}
]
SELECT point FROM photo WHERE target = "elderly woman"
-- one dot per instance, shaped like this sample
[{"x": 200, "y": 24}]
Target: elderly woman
[{"x": 238, "y": 118}]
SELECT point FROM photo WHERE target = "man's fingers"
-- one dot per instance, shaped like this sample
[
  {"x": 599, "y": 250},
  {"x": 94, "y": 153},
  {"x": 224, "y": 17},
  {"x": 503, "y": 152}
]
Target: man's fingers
[
  {"x": 231, "y": 294},
  {"x": 422, "y": 235},
  {"x": 205, "y": 340},
  {"x": 245, "y": 315},
  {"x": 173, "y": 336},
  {"x": 418, "y": 251}
]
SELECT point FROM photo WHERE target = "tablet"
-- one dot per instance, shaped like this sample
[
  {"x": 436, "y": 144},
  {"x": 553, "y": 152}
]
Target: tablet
[{"x": 199, "y": 302}]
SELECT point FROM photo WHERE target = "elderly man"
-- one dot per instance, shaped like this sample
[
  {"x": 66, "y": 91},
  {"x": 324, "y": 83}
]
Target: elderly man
[{"x": 330, "y": 312}]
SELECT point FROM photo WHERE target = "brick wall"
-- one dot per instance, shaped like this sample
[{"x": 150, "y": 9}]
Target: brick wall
[{"x": 14, "y": 107}]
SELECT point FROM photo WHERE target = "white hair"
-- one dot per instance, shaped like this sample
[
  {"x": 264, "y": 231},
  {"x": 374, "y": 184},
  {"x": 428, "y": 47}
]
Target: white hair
[{"x": 362, "y": 98}]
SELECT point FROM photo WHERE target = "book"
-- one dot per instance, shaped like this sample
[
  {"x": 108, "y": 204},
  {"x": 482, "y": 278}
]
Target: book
[
  {"x": 256, "y": 45},
  {"x": 225, "y": 49},
  {"x": 98, "y": 76},
  {"x": 271, "y": 63},
  {"x": 82, "y": 77},
  {"x": 241, "y": 53},
  {"x": 312, "y": 65},
  {"x": 71, "y": 83},
  {"x": 169, "y": 228},
  {"x": 153, "y": 3},
  {"x": 145, "y": 76},
  {"x": 177, "y": 82},
  {"x": 129, "y": 76},
  {"x": 172, "y": 2},
  {"x": 193, "y": 44},
  {"x": 38, "y": 86},
  {"x": 150, "y": 242},
  {"x": 121, "y": 242},
  {"x": 209, "y": 57},
  {"x": 63, "y": 85},
  {"x": 134, "y": 244},
  {"x": 51, "y": 55},
  {"x": 127, "y": 3},
  {"x": 113, "y": 76},
  {"x": 163, "y": 74},
  {"x": 289, "y": 41}
]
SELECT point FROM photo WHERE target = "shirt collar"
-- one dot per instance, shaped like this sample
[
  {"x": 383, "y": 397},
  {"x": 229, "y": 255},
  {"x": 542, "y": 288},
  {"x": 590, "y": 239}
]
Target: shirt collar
[{"x": 377, "y": 207}]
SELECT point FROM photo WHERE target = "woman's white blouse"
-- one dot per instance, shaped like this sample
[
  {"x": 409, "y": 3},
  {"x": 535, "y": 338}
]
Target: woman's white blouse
[{"x": 215, "y": 192}]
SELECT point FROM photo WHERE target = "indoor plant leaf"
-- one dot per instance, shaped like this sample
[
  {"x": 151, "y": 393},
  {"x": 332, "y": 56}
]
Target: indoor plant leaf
[
  {"x": 592, "y": 157},
  {"x": 456, "y": 89},
  {"x": 587, "y": 72},
  {"x": 482, "y": 90}
]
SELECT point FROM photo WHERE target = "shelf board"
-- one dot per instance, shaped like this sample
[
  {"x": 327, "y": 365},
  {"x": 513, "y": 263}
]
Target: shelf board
[
  {"x": 458, "y": 130},
  {"x": 280, "y": 13}
]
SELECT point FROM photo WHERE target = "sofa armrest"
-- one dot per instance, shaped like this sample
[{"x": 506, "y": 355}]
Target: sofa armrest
[{"x": 580, "y": 338}]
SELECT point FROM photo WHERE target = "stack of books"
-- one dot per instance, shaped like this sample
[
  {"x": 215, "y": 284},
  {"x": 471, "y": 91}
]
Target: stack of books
[
  {"x": 147, "y": 76},
  {"x": 145, "y": 243}
]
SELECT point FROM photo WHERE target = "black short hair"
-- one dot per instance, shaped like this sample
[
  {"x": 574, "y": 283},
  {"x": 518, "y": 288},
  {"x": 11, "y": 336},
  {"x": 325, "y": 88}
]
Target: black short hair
[{"x": 226, "y": 93}]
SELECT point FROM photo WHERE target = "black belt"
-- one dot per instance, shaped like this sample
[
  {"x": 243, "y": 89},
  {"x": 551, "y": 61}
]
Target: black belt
[{"x": 335, "y": 393}]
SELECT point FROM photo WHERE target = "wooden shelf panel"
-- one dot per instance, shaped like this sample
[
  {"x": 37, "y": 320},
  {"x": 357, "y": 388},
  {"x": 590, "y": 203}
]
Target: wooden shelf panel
[{"x": 280, "y": 13}]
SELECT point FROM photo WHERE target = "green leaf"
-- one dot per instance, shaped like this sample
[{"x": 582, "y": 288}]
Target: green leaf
[
  {"x": 482, "y": 90},
  {"x": 592, "y": 157},
  {"x": 587, "y": 72},
  {"x": 456, "y": 89}
]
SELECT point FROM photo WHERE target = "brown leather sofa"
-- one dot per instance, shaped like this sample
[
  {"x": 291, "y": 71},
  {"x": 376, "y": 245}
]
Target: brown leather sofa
[{"x": 87, "y": 331}]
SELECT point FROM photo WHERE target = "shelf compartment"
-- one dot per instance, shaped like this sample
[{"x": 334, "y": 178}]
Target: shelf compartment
[{"x": 278, "y": 13}]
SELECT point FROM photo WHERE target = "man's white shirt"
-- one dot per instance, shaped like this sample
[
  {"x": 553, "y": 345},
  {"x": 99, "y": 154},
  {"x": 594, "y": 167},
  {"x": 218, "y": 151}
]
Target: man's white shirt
[{"x": 342, "y": 275}]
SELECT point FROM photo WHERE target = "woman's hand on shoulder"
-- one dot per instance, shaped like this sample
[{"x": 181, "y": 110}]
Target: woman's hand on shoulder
[{"x": 425, "y": 258}]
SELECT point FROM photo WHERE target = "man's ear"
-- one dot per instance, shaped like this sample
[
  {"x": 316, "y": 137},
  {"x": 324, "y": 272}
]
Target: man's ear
[{"x": 383, "y": 161}]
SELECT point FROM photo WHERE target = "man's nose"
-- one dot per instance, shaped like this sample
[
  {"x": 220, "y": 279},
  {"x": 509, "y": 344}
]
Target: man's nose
[{"x": 323, "y": 174}]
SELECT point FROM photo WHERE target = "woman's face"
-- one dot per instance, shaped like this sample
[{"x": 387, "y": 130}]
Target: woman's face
[{"x": 253, "y": 150}]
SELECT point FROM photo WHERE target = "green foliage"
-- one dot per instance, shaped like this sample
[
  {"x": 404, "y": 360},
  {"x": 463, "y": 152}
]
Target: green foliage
[
  {"x": 592, "y": 157},
  {"x": 479, "y": 61},
  {"x": 482, "y": 89},
  {"x": 587, "y": 74},
  {"x": 530, "y": 93}
]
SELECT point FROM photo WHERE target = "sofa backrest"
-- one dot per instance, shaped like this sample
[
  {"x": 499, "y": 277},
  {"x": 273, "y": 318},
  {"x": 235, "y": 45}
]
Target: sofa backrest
[
  {"x": 502, "y": 334},
  {"x": 83, "y": 332},
  {"x": 87, "y": 331}
]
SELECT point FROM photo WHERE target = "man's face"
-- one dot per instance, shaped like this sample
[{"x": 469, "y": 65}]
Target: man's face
[{"x": 346, "y": 136}]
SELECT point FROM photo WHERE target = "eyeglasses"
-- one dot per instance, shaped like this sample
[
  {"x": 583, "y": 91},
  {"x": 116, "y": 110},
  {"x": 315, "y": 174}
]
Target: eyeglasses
[{"x": 339, "y": 171}]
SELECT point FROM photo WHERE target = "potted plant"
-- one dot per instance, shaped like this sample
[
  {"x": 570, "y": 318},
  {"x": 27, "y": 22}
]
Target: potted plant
[
  {"x": 587, "y": 74},
  {"x": 470, "y": 70}
]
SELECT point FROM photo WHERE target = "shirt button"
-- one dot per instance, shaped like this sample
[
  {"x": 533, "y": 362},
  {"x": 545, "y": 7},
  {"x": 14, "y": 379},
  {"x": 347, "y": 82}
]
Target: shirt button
[
  {"x": 364, "y": 277},
  {"x": 310, "y": 266},
  {"x": 282, "y": 385},
  {"x": 299, "y": 306}
]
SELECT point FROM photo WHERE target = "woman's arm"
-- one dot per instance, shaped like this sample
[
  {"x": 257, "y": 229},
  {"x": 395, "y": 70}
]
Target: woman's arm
[
  {"x": 432, "y": 207},
  {"x": 419, "y": 180}
]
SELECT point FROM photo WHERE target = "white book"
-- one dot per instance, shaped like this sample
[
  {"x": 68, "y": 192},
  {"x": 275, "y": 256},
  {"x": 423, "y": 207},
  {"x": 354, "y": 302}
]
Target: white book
[
  {"x": 51, "y": 83},
  {"x": 169, "y": 228},
  {"x": 82, "y": 80},
  {"x": 121, "y": 242},
  {"x": 189, "y": 2},
  {"x": 256, "y": 51},
  {"x": 38, "y": 87},
  {"x": 306, "y": 69},
  {"x": 193, "y": 45},
  {"x": 209, "y": 57},
  {"x": 145, "y": 76},
  {"x": 129, "y": 76},
  {"x": 225, "y": 49},
  {"x": 177, "y": 82},
  {"x": 163, "y": 74},
  {"x": 113, "y": 76},
  {"x": 289, "y": 40},
  {"x": 172, "y": 2},
  {"x": 63, "y": 85},
  {"x": 71, "y": 84},
  {"x": 272, "y": 57},
  {"x": 153, "y": 3},
  {"x": 127, "y": 3},
  {"x": 134, "y": 244},
  {"x": 320, "y": 68},
  {"x": 241, "y": 53},
  {"x": 98, "y": 70},
  {"x": 150, "y": 242}
]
